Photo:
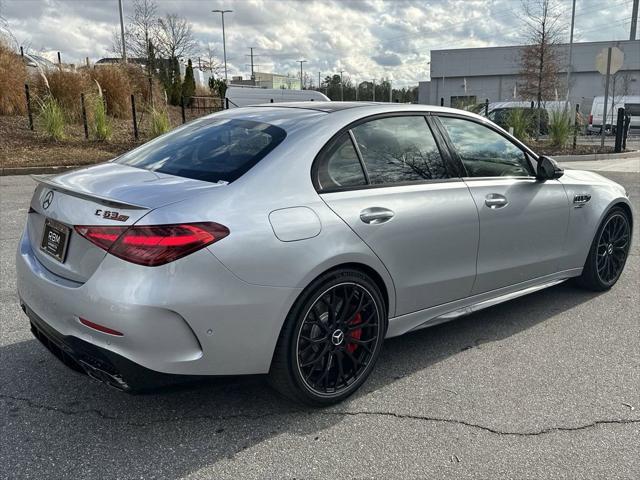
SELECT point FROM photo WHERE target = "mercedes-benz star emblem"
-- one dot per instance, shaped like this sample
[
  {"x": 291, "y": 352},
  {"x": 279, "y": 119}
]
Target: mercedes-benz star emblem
[
  {"x": 48, "y": 198},
  {"x": 337, "y": 337}
]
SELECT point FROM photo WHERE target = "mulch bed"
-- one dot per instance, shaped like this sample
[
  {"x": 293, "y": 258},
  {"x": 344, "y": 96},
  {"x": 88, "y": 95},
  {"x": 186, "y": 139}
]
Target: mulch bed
[
  {"x": 545, "y": 148},
  {"x": 21, "y": 147}
]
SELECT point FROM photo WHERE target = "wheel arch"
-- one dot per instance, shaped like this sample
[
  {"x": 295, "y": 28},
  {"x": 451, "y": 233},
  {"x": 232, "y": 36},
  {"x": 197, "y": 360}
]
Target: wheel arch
[
  {"x": 619, "y": 202},
  {"x": 369, "y": 271},
  {"x": 627, "y": 208}
]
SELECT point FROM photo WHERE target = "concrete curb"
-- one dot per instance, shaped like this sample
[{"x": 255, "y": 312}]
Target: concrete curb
[
  {"x": 38, "y": 170},
  {"x": 595, "y": 156}
]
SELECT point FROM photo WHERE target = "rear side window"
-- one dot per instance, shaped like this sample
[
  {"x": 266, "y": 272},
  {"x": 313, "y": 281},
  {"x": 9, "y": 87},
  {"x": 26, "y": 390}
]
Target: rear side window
[
  {"x": 399, "y": 149},
  {"x": 210, "y": 150},
  {"x": 340, "y": 166}
]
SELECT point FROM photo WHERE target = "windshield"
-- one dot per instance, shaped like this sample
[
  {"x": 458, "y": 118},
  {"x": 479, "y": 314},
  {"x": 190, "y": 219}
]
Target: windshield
[{"x": 212, "y": 150}]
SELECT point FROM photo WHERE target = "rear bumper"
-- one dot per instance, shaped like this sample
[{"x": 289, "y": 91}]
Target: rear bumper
[
  {"x": 190, "y": 317},
  {"x": 99, "y": 363}
]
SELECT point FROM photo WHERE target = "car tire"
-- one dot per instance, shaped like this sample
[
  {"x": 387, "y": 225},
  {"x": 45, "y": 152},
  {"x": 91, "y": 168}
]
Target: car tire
[
  {"x": 310, "y": 346},
  {"x": 597, "y": 274}
]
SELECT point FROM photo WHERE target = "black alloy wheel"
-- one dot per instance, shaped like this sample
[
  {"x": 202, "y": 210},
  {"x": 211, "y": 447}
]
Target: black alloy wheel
[
  {"x": 609, "y": 251},
  {"x": 337, "y": 338},
  {"x": 331, "y": 339},
  {"x": 613, "y": 247}
]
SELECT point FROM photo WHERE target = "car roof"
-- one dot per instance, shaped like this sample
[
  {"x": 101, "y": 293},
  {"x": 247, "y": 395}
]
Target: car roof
[
  {"x": 296, "y": 115},
  {"x": 370, "y": 107},
  {"x": 327, "y": 107}
]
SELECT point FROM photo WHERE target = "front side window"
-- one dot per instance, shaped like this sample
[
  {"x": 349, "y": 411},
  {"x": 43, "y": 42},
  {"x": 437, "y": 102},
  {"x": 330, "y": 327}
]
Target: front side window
[
  {"x": 340, "y": 167},
  {"x": 212, "y": 150},
  {"x": 484, "y": 152},
  {"x": 399, "y": 149}
]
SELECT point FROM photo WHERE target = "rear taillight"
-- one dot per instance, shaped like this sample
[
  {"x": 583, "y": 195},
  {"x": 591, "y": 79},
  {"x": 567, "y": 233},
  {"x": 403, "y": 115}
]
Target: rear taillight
[
  {"x": 591, "y": 119},
  {"x": 154, "y": 245}
]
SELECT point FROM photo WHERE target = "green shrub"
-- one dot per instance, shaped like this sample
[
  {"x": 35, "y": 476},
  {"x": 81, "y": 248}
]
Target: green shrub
[
  {"x": 159, "y": 122},
  {"x": 520, "y": 121},
  {"x": 101, "y": 125},
  {"x": 52, "y": 118},
  {"x": 560, "y": 127}
]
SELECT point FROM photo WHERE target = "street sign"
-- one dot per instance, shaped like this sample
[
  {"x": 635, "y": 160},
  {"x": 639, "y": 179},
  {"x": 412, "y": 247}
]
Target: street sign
[{"x": 617, "y": 59}]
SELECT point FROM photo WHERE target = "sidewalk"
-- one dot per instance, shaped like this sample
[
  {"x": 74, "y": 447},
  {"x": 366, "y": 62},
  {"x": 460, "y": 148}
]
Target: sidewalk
[{"x": 624, "y": 165}]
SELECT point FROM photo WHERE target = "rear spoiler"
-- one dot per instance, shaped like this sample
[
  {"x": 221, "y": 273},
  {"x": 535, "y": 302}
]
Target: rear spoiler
[{"x": 45, "y": 180}]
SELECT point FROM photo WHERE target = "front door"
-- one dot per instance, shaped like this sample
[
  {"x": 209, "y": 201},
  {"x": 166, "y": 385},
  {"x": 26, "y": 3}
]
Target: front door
[
  {"x": 523, "y": 221},
  {"x": 387, "y": 180}
]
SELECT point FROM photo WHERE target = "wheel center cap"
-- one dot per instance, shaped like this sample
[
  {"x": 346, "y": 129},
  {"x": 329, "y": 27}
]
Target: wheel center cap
[
  {"x": 337, "y": 337},
  {"x": 610, "y": 249}
]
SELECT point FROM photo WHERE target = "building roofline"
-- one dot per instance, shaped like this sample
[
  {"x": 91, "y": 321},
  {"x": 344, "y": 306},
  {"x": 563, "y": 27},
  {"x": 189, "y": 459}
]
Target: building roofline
[{"x": 575, "y": 44}]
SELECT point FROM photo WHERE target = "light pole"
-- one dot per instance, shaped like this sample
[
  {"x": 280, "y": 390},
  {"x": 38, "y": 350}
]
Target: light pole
[
  {"x": 634, "y": 20},
  {"x": 301, "y": 62},
  {"x": 573, "y": 18},
  {"x": 124, "y": 47},
  {"x": 341, "y": 87},
  {"x": 224, "y": 44}
]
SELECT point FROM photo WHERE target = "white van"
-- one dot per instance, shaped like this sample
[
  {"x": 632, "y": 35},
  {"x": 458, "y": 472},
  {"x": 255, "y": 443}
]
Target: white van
[
  {"x": 244, "y": 96},
  {"x": 629, "y": 102}
]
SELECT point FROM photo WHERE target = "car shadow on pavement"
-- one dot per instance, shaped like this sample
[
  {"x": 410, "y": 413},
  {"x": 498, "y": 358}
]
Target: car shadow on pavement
[{"x": 60, "y": 422}]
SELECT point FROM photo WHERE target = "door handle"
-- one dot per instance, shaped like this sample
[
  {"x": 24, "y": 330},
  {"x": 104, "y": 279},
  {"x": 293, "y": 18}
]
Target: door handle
[
  {"x": 376, "y": 215},
  {"x": 495, "y": 200}
]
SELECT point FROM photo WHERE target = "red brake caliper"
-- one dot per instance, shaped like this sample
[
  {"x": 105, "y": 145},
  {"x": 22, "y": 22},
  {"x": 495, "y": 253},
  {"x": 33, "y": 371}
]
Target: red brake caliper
[{"x": 351, "y": 347}]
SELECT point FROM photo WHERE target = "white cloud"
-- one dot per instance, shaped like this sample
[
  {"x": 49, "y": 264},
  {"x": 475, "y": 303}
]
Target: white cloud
[{"x": 367, "y": 39}]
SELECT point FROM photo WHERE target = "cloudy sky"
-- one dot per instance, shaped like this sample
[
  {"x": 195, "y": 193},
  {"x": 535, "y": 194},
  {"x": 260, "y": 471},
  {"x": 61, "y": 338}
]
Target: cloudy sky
[{"x": 365, "y": 38}]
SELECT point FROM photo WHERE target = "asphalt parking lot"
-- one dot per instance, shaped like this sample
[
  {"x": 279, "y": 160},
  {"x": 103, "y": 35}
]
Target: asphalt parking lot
[{"x": 546, "y": 386}]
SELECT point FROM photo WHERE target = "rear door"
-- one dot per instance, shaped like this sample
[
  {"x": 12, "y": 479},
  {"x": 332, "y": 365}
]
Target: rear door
[
  {"x": 387, "y": 179},
  {"x": 523, "y": 221}
]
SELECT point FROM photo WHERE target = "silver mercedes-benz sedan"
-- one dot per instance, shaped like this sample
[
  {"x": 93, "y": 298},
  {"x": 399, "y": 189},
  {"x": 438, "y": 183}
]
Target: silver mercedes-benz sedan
[{"x": 291, "y": 239}]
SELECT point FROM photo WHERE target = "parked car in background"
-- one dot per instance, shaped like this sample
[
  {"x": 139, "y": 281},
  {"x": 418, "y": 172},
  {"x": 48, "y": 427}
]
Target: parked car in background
[
  {"x": 243, "y": 96},
  {"x": 631, "y": 103},
  {"x": 292, "y": 239},
  {"x": 499, "y": 113},
  {"x": 502, "y": 117}
]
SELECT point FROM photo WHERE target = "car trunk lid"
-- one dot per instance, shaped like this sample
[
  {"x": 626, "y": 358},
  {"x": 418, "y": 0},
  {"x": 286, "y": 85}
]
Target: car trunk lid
[{"x": 107, "y": 194}]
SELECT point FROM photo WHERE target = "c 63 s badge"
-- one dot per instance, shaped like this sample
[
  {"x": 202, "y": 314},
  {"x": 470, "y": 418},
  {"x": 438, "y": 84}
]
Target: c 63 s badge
[{"x": 111, "y": 215}]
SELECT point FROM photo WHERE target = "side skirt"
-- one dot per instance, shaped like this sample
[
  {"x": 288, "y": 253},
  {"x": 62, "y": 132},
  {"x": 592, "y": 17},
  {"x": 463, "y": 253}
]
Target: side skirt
[{"x": 458, "y": 308}]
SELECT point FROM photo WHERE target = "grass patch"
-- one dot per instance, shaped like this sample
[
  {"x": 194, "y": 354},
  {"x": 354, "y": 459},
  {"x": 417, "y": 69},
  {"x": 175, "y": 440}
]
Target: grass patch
[
  {"x": 52, "y": 118},
  {"x": 159, "y": 122},
  {"x": 560, "y": 128},
  {"x": 521, "y": 123},
  {"x": 101, "y": 125}
]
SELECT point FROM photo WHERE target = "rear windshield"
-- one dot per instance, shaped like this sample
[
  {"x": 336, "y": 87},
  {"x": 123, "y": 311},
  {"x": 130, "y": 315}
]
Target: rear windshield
[{"x": 219, "y": 150}]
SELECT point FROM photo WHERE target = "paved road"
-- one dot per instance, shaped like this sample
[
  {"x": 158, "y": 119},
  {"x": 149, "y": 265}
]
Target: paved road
[
  {"x": 622, "y": 165},
  {"x": 546, "y": 386}
]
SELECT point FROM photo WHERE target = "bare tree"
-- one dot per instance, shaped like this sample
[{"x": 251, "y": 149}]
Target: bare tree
[
  {"x": 175, "y": 37},
  {"x": 139, "y": 33},
  {"x": 541, "y": 59},
  {"x": 210, "y": 62},
  {"x": 620, "y": 87},
  {"x": 116, "y": 41},
  {"x": 142, "y": 27}
]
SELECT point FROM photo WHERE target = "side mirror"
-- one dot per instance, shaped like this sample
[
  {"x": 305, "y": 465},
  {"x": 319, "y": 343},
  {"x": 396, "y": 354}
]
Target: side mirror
[{"x": 548, "y": 169}]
